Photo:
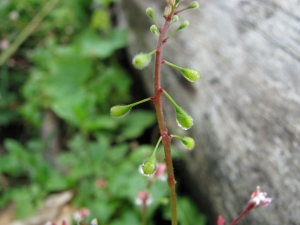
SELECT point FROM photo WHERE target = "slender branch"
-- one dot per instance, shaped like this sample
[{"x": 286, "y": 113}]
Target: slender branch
[
  {"x": 144, "y": 212},
  {"x": 27, "y": 31},
  {"x": 248, "y": 209},
  {"x": 157, "y": 99}
]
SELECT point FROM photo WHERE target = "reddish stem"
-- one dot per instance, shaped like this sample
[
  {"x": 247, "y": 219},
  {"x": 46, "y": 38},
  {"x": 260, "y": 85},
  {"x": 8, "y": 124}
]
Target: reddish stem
[
  {"x": 248, "y": 209},
  {"x": 157, "y": 99},
  {"x": 144, "y": 210}
]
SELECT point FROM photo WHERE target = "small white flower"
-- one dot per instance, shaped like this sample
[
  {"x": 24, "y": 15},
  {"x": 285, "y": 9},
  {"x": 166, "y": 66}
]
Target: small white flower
[
  {"x": 94, "y": 222},
  {"x": 143, "y": 198},
  {"x": 4, "y": 43},
  {"x": 14, "y": 15},
  {"x": 259, "y": 198}
]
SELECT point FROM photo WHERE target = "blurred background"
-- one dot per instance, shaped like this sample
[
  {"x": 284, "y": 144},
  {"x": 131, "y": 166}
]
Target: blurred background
[
  {"x": 62, "y": 66},
  {"x": 245, "y": 107}
]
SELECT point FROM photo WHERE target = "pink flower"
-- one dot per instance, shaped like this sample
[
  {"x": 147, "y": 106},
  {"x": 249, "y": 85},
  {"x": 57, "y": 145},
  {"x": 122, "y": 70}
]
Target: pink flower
[
  {"x": 101, "y": 183},
  {"x": 81, "y": 214},
  {"x": 259, "y": 198},
  {"x": 143, "y": 198},
  {"x": 160, "y": 172},
  {"x": 220, "y": 221},
  {"x": 4, "y": 43}
]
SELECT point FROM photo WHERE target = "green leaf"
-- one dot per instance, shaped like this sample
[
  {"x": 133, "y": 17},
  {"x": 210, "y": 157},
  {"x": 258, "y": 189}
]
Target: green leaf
[
  {"x": 99, "y": 122},
  {"x": 187, "y": 212},
  {"x": 118, "y": 153},
  {"x": 111, "y": 86},
  {"x": 135, "y": 124},
  {"x": 75, "y": 108},
  {"x": 101, "y": 19},
  {"x": 32, "y": 112},
  {"x": 92, "y": 44},
  {"x": 104, "y": 209},
  {"x": 56, "y": 182},
  {"x": 70, "y": 69},
  {"x": 127, "y": 216},
  {"x": 24, "y": 204}
]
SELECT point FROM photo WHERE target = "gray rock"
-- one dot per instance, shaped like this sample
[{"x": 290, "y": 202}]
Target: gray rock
[{"x": 246, "y": 107}]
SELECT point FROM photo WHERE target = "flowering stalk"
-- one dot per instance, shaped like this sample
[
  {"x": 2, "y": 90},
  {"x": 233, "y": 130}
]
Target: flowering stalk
[
  {"x": 157, "y": 99},
  {"x": 140, "y": 61},
  {"x": 143, "y": 198},
  {"x": 256, "y": 200}
]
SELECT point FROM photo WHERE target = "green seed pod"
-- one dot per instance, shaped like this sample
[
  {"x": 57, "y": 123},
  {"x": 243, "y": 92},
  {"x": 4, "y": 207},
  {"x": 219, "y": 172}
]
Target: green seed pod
[
  {"x": 193, "y": 5},
  {"x": 174, "y": 19},
  {"x": 154, "y": 30},
  {"x": 191, "y": 75},
  {"x": 119, "y": 111},
  {"x": 184, "y": 120},
  {"x": 183, "y": 25},
  {"x": 149, "y": 12},
  {"x": 149, "y": 166},
  {"x": 141, "y": 60},
  {"x": 188, "y": 142}
]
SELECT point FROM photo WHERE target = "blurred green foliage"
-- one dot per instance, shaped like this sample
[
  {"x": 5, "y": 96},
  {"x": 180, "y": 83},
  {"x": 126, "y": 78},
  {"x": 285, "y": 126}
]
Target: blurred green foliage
[{"x": 68, "y": 66}]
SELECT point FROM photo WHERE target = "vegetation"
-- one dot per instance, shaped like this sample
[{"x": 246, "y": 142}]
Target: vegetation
[
  {"x": 59, "y": 77},
  {"x": 184, "y": 120}
]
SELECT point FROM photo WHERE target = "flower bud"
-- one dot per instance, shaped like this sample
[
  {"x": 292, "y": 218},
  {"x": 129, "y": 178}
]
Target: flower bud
[
  {"x": 168, "y": 10},
  {"x": 191, "y": 75},
  {"x": 149, "y": 166},
  {"x": 160, "y": 172},
  {"x": 141, "y": 60},
  {"x": 154, "y": 30},
  {"x": 174, "y": 19},
  {"x": 188, "y": 142},
  {"x": 170, "y": 2},
  {"x": 149, "y": 12},
  {"x": 183, "y": 25},
  {"x": 143, "y": 198},
  {"x": 119, "y": 111},
  {"x": 183, "y": 120},
  {"x": 193, "y": 5}
]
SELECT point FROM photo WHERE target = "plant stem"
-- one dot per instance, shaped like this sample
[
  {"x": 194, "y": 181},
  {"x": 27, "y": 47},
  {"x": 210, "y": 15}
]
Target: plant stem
[
  {"x": 157, "y": 99},
  {"x": 139, "y": 102},
  {"x": 172, "y": 65},
  {"x": 144, "y": 214},
  {"x": 248, "y": 209},
  {"x": 171, "y": 100},
  {"x": 27, "y": 31}
]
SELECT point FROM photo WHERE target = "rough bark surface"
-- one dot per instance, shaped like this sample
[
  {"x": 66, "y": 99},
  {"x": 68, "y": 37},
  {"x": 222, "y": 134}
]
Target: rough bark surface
[{"x": 246, "y": 108}]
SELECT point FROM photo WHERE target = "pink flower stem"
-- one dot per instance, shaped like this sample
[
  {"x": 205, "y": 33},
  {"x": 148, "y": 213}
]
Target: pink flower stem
[
  {"x": 157, "y": 99},
  {"x": 144, "y": 212},
  {"x": 248, "y": 209}
]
